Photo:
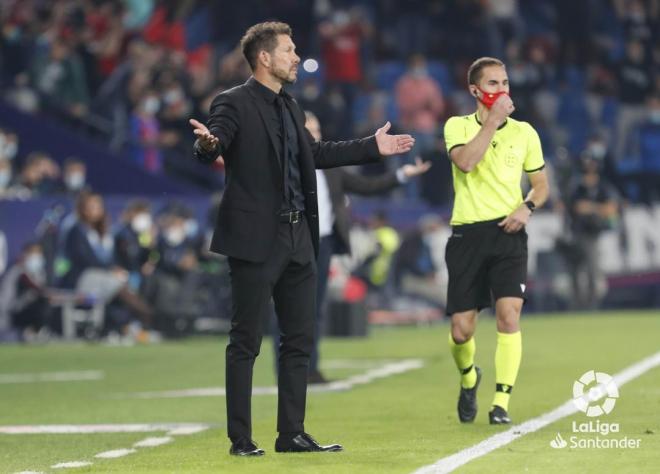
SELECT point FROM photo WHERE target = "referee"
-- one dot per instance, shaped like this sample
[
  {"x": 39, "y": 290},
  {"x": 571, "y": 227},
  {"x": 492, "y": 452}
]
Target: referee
[{"x": 486, "y": 254}]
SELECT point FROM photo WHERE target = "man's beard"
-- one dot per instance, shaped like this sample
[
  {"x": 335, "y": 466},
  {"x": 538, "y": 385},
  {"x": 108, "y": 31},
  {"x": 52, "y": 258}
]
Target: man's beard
[{"x": 285, "y": 76}]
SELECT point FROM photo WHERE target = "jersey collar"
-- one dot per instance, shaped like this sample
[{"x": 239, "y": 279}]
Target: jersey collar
[{"x": 476, "y": 117}]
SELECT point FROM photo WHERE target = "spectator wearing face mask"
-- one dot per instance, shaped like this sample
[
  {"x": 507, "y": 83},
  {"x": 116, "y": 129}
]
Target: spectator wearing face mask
[
  {"x": 134, "y": 242},
  {"x": 25, "y": 307},
  {"x": 176, "y": 286},
  {"x": 598, "y": 149},
  {"x": 593, "y": 207},
  {"x": 74, "y": 176},
  {"x": 177, "y": 242}
]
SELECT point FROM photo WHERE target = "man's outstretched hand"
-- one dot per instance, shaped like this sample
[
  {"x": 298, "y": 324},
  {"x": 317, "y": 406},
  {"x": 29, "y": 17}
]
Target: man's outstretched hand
[
  {"x": 207, "y": 140},
  {"x": 420, "y": 167},
  {"x": 392, "y": 144}
]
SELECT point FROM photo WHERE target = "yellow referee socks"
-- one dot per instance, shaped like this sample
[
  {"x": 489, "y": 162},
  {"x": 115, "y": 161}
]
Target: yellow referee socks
[
  {"x": 464, "y": 357},
  {"x": 507, "y": 363}
]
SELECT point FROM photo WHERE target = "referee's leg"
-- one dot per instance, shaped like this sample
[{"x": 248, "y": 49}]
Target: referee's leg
[{"x": 508, "y": 352}]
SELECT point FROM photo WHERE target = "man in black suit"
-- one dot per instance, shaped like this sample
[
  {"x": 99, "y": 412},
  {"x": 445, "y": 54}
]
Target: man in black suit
[
  {"x": 268, "y": 226},
  {"x": 335, "y": 221}
]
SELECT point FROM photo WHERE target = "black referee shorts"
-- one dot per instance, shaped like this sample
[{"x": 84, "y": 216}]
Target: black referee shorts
[{"x": 484, "y": 263}]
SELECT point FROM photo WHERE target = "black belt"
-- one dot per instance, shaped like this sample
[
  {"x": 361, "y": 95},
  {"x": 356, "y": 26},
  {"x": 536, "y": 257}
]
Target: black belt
[{"x": 291, "y": 217}]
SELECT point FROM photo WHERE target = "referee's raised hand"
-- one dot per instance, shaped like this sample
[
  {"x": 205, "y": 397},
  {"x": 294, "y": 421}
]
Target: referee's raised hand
[{"x": 501, "y": 109}]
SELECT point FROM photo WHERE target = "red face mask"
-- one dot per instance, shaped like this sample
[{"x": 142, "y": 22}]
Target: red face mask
[{"x": 489, "y": 98}]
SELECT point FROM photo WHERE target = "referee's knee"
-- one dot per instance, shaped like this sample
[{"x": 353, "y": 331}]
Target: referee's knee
[
  {"x": 508, "y": 321},
  {"x": 461, "y": 331}
]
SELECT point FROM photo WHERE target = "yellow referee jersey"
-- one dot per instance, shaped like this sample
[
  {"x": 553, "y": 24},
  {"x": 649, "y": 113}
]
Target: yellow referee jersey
[{"x": 492, "y": 189}]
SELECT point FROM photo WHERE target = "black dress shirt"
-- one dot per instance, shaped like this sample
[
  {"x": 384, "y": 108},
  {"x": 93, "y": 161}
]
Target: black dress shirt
[{"x": 288, "y": 148}]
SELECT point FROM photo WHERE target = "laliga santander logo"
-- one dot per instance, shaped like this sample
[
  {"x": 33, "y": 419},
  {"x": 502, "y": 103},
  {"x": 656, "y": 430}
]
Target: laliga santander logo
[
  {"x": 605, "y": 388},
  {"x": 558, "y": 442},
  {"x": 595, "y": 394}
]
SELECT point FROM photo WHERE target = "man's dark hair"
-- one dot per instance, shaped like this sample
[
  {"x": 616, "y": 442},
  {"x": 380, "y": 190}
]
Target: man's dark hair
[
  {"x": 262, "y": 37},
  {"x": 474, "y": 72}
]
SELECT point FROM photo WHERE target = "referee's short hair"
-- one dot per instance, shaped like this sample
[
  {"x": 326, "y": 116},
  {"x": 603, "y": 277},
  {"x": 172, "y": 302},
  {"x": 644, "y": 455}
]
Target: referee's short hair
[
  {"x": 262, "y": 37},
  {"x": 474, "y": 72}
]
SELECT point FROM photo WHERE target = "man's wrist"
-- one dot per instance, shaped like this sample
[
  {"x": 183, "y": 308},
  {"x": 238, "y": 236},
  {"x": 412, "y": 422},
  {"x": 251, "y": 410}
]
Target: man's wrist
[
  {"x": 210, "y": 149},
  {"x": 204, "y": 149},
  {"x": 530, "y": 205}
]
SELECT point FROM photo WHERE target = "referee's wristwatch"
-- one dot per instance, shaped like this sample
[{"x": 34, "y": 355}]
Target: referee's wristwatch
[{"x": 530, "y": 205}]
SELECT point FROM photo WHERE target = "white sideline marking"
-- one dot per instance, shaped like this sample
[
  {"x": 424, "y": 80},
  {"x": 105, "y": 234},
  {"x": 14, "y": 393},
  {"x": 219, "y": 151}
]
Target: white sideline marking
[
  {"x": 449, "y": 463},
  {"x": 387, "y": 370},
  {"x": 188, "y": 430},
  {"x": 52, "y": 377},
  {"x": 353, "y": 363},
  {"x": 115, "y": 453},
  {"x": 64, "y": 465},
  {"x": 152, "y": 442},
  {"x": 171, "y": 428}
]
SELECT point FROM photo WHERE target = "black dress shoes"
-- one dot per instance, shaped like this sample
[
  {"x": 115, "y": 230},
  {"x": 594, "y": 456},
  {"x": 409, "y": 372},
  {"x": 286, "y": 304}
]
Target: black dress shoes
[
  {"x": 245, "y": 447},
  {"x": 302, "y": 443}
]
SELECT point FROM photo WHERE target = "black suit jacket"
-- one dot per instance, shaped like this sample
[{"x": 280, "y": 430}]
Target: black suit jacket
[
  {"x": 247, "y": 221},
  {"x": 341, "y": 182}
]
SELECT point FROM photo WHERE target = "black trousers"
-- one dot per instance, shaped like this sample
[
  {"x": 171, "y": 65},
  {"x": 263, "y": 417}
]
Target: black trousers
[
  {"x": 326, "y": 244},
  {"x": 288, "y": 276}
]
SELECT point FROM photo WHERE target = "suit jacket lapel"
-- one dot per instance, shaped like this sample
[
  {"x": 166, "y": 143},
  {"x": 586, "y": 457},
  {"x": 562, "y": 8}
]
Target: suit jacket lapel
[
  {"x": 305, "y": 159},
  {"x": 305, "y": 150},
  {"x": 263, "y": 113}
]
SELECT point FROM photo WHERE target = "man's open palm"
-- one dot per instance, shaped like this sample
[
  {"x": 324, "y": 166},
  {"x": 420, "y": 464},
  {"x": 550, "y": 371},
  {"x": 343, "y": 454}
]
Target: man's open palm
[
  {"x": 207, "y": 140},
  {"x": 392, "y": 144}
]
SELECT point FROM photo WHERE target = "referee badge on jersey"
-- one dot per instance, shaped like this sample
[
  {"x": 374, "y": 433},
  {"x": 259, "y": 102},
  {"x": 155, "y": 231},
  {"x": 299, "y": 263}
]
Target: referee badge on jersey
[{"x": 512, "y": 158}]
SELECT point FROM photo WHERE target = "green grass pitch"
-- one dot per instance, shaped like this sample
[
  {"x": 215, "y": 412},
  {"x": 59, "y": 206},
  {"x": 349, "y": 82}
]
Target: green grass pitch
[{"x": 395, "y": 424}]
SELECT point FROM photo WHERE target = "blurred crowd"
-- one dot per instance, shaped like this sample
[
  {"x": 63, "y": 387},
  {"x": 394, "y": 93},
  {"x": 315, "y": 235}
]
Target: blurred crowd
[
  {"x": 132, "y": 72},
  {"x": 151, "y": 273},
  {"x": 150, "y": 268}
]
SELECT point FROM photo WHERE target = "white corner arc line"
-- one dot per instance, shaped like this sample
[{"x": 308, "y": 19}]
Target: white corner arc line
[
  {"x": 450, "y": 463},
  {"x": 383, "y": 371}
]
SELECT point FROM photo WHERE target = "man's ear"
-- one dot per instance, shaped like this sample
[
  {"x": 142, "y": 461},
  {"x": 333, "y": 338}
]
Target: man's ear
[
  {"x": 474, "y": 92},
  {"x": 264, "y": 58}
]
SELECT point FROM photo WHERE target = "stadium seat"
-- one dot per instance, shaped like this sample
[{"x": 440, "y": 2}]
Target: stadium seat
[
  {"x": 387, "y": 73},
  {"x": 86, "y": 304},
  {"x": 649, "y": 145},
  {"x": 441, "y": 73}
]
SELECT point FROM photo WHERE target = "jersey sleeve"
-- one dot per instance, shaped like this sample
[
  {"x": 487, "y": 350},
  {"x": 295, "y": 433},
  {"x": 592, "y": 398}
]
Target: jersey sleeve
[
  {"x": 455, "y": 134},
  {"x": 534, "y": 159}
]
